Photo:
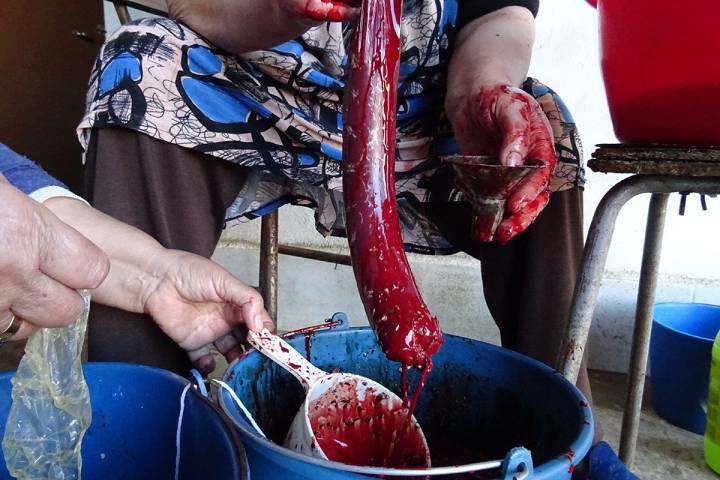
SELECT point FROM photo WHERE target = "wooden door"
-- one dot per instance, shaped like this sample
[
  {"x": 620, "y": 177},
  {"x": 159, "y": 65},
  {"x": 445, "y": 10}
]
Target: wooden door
[{"x": 47, "y": 48}]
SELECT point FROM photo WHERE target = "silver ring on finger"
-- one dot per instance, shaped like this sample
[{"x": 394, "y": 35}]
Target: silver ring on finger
[{"x": 12, "y": 328}]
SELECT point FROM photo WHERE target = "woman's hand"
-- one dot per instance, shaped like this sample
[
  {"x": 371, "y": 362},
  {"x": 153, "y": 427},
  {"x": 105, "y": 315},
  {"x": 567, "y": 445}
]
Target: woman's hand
[
  {"x": 197, "y": 302},
  {"x": 194, "y": 301},
  {"x": 491, "y": 116},
  {"x": 508, "y": 123},
  {"x": 43, "y": 262}
]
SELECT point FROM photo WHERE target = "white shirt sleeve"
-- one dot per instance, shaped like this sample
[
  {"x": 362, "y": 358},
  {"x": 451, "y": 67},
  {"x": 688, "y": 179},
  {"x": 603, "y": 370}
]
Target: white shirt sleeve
[{"x": 45, "y": 193}]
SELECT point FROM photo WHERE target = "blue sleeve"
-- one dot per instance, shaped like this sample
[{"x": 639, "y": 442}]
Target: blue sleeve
[{"x": 24, "y": 174}]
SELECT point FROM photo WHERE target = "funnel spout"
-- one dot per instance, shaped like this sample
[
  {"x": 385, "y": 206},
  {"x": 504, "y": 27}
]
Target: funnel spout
[{"x": 486, "y": 185}]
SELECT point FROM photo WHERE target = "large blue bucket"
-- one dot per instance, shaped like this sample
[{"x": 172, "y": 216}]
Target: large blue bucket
[
  {"x": 680, "y": 354},
  {"x": 132, "y": 436},
  {"x": 479, "y": 402}
]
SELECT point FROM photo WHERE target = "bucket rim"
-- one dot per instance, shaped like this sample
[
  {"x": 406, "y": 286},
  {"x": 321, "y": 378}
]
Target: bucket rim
[
  {"x": 664, "y": 325},
  {"x": 117, "y": 366},
  {"x": 561, "y": 463}
]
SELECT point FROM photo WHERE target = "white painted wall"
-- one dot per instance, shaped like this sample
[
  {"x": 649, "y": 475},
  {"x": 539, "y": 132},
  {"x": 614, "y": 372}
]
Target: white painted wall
[{"x": 565, "y": 58}]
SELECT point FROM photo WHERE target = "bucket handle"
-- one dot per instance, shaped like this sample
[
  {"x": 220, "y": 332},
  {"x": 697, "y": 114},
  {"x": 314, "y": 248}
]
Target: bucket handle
[
  {"x": 339, "y": 321},
  {"x": 240, "y": 405},
  {"x": 518, "y": 464},
  {"x": 200, "y": 384}
]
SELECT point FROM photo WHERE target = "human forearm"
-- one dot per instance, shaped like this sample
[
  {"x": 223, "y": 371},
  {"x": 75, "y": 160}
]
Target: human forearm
[
  {"x": 133, "y": 254},
  {"x": 494, "y": 49},
  {"x": 192, "y": 299},
  {"x": 246, "y": 25},
  {"x": 491, "y": 58},
  {"x": 491, "y": 115}
]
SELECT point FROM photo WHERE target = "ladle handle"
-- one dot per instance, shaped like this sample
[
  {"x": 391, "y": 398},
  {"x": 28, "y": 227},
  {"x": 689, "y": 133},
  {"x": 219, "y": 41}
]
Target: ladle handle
[{"x": 280, "y": 352}]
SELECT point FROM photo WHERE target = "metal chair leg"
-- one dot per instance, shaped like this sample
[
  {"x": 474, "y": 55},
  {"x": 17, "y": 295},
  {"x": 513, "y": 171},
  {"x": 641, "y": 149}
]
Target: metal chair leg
[
  {"x": 596, "y": 252},
  {"x": 643, "y": 326},
  {"x": 269, "y": 262},
  {"x": 592, "y": 267},
  {"x": 123, "y": 14}
]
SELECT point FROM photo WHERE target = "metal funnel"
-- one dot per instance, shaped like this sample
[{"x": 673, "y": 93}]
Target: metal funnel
[{"x": 486, "y": 184}]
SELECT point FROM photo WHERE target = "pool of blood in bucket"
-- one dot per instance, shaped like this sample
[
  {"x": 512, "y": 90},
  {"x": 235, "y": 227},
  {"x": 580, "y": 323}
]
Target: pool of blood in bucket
[
  {"x": 447, "y": 449},
  {"x": 372, "y": 431}
]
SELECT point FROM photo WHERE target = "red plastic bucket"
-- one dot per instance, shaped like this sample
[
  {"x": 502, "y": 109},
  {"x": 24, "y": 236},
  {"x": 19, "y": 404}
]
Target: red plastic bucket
[{"x": 661, "y": 65}]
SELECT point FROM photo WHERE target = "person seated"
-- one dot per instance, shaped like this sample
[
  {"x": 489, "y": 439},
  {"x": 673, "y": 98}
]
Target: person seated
[{"x": 231, "y": 109}]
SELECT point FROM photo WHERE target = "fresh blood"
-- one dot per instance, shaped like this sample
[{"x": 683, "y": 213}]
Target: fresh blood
[
  {"x": 314, "y": 328},
  {"x": 308, "y": 344},
  {"x": 411, "y": 403},
  {"x": 372, "y": 430},
  {"x": 375, "y": 430},
  {"x": 404, "y": 327},
  {"x": 309, "y": 333},
  {"x": 325, "y": 10},
  {"x": 406, "y": 330},
  {"x": 524, "y": 130}
]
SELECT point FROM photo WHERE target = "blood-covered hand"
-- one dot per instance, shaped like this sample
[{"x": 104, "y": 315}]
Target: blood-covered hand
[
  {"x": 321, "y": 10},
  {"x": 507, "y": 122}
]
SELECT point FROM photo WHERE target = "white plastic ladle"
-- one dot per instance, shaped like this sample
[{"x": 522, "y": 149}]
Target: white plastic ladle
[{"x": 332, "y": 400}]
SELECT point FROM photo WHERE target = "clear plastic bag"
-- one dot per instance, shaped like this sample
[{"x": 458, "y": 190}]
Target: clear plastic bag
[{"x": 51, "y": 406}]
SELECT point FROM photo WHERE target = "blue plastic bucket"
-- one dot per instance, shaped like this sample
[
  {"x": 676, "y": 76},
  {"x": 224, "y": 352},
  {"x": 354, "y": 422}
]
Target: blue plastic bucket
[
  {"x": 479, "y": 402},
  {"x": 680, "y": 354},
  {"x": 132, "y": 436}
]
